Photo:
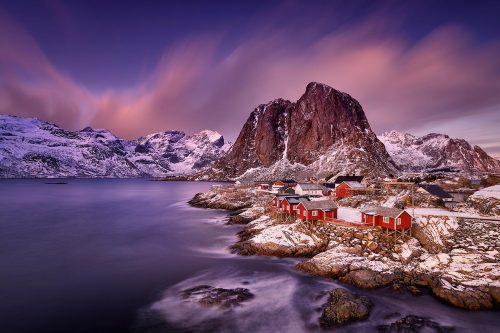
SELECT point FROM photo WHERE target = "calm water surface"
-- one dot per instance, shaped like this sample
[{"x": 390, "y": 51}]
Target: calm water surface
[{"x": 111, "y": 256}]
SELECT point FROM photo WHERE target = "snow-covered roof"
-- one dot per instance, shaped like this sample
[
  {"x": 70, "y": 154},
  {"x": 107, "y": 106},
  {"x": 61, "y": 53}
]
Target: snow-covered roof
[
  {"x": 353, "y": 184},
  {"x": 320, "y": 205},
  {"x": 488, "y": 192},
  {"x": 296, "y": 200},
  {"x": 382, "y": 211},
  {"x": 310, "y": 186}
]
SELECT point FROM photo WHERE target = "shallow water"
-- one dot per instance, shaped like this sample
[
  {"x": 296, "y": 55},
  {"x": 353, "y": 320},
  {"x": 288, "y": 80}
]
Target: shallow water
[{"x": 111, "y": 256}]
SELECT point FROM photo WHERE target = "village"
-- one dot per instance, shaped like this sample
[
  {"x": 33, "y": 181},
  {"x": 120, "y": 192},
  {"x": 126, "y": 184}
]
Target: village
[
  {"x": 396, "y": 232},
  {"x": 390, "y": 204}
]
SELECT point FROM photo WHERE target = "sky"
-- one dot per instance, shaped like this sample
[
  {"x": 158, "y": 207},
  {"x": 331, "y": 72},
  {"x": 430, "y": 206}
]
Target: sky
[{"x": 138, "y": 67}]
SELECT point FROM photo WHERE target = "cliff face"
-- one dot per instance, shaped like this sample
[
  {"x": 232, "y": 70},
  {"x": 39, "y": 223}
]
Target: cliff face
[{"x": 325, "y": 132}]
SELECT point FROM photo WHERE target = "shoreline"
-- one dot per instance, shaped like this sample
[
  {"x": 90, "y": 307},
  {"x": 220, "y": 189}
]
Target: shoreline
[{"x": 366, "y": 258}]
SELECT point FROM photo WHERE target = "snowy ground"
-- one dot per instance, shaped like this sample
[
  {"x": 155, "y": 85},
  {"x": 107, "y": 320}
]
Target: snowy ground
[
  {"x": 349, "y": 214},
  {"x": 488, "y": 192},
  {"x": 445, "y": 212}
]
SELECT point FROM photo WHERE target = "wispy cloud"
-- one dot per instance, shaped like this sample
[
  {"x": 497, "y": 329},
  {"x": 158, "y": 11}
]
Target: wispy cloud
[{"x": 200, "y": 83}]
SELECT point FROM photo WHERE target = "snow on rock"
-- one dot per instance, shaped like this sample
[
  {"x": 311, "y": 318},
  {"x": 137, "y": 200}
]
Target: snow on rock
[
  {"x": 486, "y": 201},
  {"x": 433, "y": 231},
  {"x": 32, "y": 148},
  {"x": 436, "y": 151}
]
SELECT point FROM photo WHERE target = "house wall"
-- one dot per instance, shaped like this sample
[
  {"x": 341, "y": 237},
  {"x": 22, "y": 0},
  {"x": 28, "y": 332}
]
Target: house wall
[
  {"x": 343, "y": 191},
  {"x": 405, "y": 222},
  {"x": 306, "y": 215},
  {"x": 331, "y": 215}
]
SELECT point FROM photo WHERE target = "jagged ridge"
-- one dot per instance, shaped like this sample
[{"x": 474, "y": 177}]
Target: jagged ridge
[
  {"x": 436, "y": 151},
  {"x": 33, "y": 148}
]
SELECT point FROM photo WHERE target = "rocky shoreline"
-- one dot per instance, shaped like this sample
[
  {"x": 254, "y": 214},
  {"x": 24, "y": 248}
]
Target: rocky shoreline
[{"x": 457, "y": 260}]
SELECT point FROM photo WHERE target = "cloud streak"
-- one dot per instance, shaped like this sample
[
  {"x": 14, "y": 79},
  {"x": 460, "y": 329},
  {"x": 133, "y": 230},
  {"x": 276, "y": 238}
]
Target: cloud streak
[{"x": 202, "y": 83}]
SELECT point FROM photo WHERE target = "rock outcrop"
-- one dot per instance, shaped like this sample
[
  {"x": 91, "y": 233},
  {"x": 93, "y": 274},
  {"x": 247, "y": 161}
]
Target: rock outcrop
[
  {"x": 325, "y": 132},
  {"x": 343, "y": 307},
  {"x": 208, "y": 296},
  {"x": 414, "y": 324}
]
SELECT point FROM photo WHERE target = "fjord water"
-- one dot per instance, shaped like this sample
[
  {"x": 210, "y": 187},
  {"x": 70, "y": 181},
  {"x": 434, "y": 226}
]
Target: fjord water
[{"x": 111, "y": 256}]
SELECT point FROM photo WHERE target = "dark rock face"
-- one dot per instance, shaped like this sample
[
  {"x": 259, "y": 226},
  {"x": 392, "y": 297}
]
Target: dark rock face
[
  {"x": 321, "y": 118},
  {"x": 208, "y": 296},
  {"x": 323, "y": 122},
  {"x": 343, "y": 307},
  {"x": 414, "y": 324},
  {"x": 261, "y": 140}
]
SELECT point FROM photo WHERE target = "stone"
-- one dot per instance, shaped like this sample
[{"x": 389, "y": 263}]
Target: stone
[
  {"x": 413, "y": 324},
  {"x": 372, "y": 245},
  {"x": 208, "y": 296},
  {"x": 343, "y": 307}
]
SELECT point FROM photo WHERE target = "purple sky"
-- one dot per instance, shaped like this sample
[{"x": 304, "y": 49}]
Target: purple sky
[{"x": 140, "y": 67}]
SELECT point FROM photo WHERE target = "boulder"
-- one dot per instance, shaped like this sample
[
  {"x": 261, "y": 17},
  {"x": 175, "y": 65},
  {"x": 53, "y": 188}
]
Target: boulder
[
  {"x": 343, "y": 307},
  {"x": 364, "y": 278},
  {"x": 372, "y": 246},
  {"x": 413, "y": 324},
  {"x": 208, "y": 296}
]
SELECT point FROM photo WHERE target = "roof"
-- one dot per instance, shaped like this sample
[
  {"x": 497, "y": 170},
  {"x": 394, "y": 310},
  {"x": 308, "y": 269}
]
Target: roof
[
  {"x": 382, "y": 211},
  {"x": 258, "y": 182},
  {"x": 329, "y": 185},
  {"x": 310, "y": 186},
  {"x": 436, "y": 190},
  {"x": 296, "y": 200},
  {"x": 353, "y": 184},
  {"x": 341, "y": 179},
  {"x": 287, "y": 181},
  {"x": 283, "y": 196},
  {"x": 320, "y": 205}
]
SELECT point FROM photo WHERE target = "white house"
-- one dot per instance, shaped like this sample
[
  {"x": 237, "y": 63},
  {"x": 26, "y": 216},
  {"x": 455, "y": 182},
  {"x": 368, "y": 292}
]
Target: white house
[{"x": 308, "y": 189}]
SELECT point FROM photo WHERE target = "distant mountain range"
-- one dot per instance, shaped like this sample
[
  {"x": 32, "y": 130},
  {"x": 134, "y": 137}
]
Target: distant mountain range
[
  {"x": 324, "y": 134},
  {"x": 33, "y": 148},
  {"x": 434, "y": 152}
]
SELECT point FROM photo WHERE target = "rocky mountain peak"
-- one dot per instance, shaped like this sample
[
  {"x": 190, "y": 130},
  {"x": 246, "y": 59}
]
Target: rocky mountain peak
[{"x": 286, "y": 138}]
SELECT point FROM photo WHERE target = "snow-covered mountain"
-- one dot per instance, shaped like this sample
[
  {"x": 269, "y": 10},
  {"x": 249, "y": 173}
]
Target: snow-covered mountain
[
  {"x": 436, "y": 152},
  {"x": 32, "y": 148},
  {"x": 324, "y": 133}
]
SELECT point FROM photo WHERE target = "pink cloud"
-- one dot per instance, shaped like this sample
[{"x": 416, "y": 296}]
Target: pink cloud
[{"x": 400, "y": 85}]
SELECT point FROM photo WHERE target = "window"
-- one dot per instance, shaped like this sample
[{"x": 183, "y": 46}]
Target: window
[
  {"x": 386, "y": 219},
  {"x": 293, "y": 207},
  {"x": 314, "y": 213},
  {"x": 398, "y": 221}
]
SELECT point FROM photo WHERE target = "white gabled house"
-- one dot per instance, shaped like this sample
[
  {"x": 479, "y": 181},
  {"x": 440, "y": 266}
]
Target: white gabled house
[{"x": 309, "y": 189}]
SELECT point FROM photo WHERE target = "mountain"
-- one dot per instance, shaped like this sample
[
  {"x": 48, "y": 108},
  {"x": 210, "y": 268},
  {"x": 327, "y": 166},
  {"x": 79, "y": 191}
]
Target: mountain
[
  {"x": 33, "y": 148},
  {"x": 436, "y": 152},
  {"x": 324, "y": 133}
]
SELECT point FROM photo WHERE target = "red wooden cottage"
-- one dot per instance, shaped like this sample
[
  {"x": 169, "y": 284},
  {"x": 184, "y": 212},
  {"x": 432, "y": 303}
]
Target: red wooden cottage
[
  {"x": 290, "y": 204},
  {"x": 276, "y": 201},
  {"x": 385, "y": 217},
  {"x": 283, "y": 183},
  {"x": 323, "y": 210},
  {"x": 348, "y": 189}
]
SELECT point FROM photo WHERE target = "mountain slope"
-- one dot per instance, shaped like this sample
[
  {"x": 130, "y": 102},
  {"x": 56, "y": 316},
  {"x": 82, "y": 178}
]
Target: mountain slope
[
  {"x": 33, "y": 148},
  {"x": 324, "y": 133},
  {"x": 436, "y": 152}
]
